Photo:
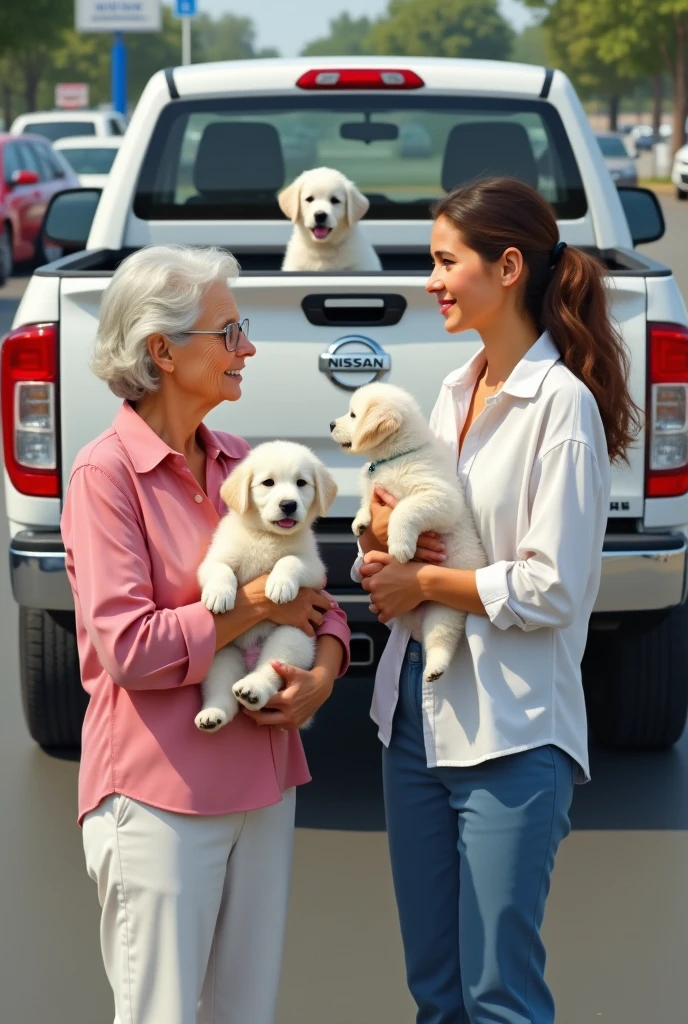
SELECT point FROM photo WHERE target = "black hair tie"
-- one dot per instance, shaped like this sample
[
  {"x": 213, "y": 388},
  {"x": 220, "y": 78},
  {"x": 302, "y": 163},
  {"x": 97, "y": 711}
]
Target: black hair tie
[{"x": 556, "y": 253}]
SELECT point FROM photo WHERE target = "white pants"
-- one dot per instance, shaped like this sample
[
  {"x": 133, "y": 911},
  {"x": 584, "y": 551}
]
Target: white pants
[{"x": 193, "y": 910}]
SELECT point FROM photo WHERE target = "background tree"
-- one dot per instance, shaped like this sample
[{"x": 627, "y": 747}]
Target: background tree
[
  {"x": 348, "y": 37},
  {"x": 443, "y": 28},
  {"x": 227, "y": 38}
]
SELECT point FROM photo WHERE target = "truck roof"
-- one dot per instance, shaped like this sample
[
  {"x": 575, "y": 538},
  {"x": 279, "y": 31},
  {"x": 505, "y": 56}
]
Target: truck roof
[{"x": 475, "y": 77}]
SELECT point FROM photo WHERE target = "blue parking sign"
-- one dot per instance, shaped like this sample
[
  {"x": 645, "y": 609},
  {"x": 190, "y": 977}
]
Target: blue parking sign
[{"x": 185, "y": 8}]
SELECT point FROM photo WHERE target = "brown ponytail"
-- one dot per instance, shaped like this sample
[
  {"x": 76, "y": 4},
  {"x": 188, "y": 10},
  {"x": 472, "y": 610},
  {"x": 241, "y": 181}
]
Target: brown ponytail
[{"x": 564, "y": 292}]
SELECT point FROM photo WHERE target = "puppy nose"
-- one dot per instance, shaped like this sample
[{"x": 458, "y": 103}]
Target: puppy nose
[
  {"x": 320, "y": 217},
  {"x": 288, "y": 507},
  {"x": 333, "y": 424}
]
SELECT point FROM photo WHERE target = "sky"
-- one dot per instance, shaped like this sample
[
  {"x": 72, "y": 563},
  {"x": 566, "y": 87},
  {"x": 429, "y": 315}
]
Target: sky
[{"x": 290, "y": 24}]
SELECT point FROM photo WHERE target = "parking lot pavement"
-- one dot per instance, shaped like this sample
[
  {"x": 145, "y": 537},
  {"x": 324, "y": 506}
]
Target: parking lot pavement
[{"x": 617, "y": 922}]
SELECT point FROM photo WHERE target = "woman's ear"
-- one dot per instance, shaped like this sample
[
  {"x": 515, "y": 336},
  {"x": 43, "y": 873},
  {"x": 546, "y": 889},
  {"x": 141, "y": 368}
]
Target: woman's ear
[
  {"x": 160, "y": 352},
  {"x": 289, "y": 200},
  {"x": 512, "y": 265},
  {"x": 356, "y": 204},
  {"x": 378, "y": 422},
  {"x": 236, "y": 490},
  {"x": 325, "y": 490}
]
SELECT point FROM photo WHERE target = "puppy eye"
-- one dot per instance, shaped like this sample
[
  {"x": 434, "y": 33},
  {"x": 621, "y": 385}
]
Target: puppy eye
[
  {"x": 301, "y": 483},
  {"x": 309, "y": 199},
  {"x": 352, "y": 415},
  {"x": 268, "y": 483},
  {"x": 335, "y": 201}
]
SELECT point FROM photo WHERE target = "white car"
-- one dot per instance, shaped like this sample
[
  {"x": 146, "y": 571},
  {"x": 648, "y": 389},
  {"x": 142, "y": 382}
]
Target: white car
[
  {"x": 90, "y": 157},
  {"x": 679, "y": 172},
  {"x": 56, "y": 124}
]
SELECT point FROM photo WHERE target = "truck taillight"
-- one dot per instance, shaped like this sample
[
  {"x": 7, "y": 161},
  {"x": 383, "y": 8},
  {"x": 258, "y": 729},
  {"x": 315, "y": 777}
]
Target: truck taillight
[
  {"x": 668, "y": 411},
  {"x": 360, "y": 78},
  {"x": 29, "y": 409}
]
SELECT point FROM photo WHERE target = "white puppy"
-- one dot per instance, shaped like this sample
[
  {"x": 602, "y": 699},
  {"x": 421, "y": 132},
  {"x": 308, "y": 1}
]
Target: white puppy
[
  {"x": 273, "y": 496},
  {"x": 325, "y": 208},
  {"x": 385, "y": 423}
]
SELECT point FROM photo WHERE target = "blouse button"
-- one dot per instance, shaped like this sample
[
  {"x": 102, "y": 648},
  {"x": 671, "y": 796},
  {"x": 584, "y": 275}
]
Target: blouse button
[{"x": 198, "y": 498}]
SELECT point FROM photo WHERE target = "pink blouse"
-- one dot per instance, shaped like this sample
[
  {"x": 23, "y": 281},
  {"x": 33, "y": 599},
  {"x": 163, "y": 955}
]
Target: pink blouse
[{"x": 136, "y": 526}]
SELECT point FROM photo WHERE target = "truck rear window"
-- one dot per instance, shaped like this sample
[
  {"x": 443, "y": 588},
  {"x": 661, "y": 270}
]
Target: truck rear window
[{"x": 228, "y": 159}]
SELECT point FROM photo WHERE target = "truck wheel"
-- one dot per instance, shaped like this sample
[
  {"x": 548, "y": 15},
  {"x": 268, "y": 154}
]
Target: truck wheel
[
  {"x": 636, "y": 681},
  {"x": 53, "y": 697},
  {"x": 680, "y": 194}
]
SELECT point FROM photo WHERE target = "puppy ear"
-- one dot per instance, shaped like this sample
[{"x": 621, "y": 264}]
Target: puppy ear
[
  {"x": 356, "y": 204},
  {"x": 379, "y": 422},
  {"x": 289, "y": 200},
  {"x": 235, "y": 491},
  {"x": 325, "y": 490}
]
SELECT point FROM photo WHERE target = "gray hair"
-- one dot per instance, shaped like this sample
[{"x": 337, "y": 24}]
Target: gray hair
[{"x": 157, "y": 290}]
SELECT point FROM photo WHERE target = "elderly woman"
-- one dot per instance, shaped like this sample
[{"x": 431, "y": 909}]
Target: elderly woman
[{"x": 188, "y": 835}]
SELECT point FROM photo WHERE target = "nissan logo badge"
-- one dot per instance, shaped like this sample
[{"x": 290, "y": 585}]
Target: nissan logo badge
[{"x": 354, "y": 361}]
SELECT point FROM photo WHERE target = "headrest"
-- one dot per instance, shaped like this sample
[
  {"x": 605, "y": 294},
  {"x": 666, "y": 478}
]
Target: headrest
[
  {"x": 488, "y": 149},
  {"x": 239, "y": 156}
]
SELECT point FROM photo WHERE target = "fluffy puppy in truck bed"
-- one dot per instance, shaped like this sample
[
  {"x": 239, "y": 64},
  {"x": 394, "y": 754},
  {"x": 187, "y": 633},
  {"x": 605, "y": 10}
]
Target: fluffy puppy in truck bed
[
  {"x": 325, "y": 208},
  {"x": 385, "y": 423}
]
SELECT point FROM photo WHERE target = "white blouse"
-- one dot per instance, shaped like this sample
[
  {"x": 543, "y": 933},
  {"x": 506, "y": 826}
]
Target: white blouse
[{"x": 537, "y": 476}]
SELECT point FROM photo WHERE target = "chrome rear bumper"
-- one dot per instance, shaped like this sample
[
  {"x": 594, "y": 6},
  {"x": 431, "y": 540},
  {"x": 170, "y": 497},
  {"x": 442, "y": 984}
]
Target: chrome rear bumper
[{"x": 640, "y": 572}]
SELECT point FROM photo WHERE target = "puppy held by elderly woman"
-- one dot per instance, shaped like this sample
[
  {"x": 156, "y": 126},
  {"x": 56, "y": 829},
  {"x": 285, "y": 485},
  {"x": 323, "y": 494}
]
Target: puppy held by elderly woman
[{"x": 273, "y": 497}]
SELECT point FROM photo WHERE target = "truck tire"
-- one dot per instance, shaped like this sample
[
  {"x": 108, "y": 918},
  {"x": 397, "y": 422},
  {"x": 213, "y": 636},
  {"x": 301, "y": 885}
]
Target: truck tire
[
  {"x": 681, "y": 194},
  {"x": 636, "y": 681},
  {"x": 52, "y": 695}
]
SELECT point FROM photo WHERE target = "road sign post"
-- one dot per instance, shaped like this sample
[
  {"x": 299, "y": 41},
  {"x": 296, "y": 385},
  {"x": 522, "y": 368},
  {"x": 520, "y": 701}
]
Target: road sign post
[
  {"x": 185, "y": 10},
  {"x": 118, "y": 16}
]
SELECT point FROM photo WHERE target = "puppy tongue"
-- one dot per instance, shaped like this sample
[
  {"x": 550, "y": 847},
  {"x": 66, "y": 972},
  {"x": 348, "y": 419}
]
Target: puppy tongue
[
  {"x": 321, "y": 232},
  {"x": 286, "y": 523}
]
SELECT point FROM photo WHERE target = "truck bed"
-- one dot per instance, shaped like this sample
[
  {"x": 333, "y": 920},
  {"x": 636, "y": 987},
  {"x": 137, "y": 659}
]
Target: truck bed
[{"x": 264, "y": 261}]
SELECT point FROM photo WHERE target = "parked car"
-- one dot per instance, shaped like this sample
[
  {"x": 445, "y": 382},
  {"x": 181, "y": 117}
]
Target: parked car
[
  {"x": 56, "y": 124},
  {"x": 414, "y": 142},
  {"x": 679, "y": 173},
  {"x": 620, "y": 163},
  {"x": 91, "y": 158},
  {"x": 31, "y": 173},
  {"x": 330, "y": 338}
]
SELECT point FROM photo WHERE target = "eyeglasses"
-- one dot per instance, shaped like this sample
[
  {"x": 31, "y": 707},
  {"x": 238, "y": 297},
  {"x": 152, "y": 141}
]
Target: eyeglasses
[{"x": 232, "y": 333}]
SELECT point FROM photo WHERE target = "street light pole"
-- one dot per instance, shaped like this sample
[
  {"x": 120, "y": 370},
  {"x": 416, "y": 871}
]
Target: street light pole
[{"x": 186, "y": 40}]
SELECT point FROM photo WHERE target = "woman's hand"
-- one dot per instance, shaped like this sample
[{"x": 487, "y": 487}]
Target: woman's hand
[
  {"x": 306, "y": 611},
  {"x": 304, "y": 692},
  {"x": 394, "y": 588},
  {"x": 430, "y": 547}
]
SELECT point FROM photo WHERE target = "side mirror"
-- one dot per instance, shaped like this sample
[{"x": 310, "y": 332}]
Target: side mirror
[
  {"x": 643, "y": 213},
  {"x": 68, "y": 219},
  {"x": 24, "y": 177}
]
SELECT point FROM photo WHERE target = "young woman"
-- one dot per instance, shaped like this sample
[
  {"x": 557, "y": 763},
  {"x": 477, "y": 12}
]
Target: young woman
[{"x": 479, "y": 767}]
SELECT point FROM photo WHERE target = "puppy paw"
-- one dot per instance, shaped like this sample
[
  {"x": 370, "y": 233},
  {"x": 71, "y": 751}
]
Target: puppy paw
[
  {"x": 212, "y": 719},
  {"x": 253, "y": 691},
  {"x": 361, "y": 524},
  {"x": 435, "y": 667},
  {"x": 401, "y": 548},
  {"x": 281, "y": 589},
  {"x": 219, "y": 596}
]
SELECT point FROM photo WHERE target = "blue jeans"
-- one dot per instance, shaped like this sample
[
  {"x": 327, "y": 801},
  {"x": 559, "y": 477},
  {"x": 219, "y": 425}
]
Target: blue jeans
[{"x": 472, "y": 851}]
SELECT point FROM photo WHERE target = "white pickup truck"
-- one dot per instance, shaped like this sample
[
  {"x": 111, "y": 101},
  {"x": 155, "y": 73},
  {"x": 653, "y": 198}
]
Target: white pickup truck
[{"x": 206, "y": 153}]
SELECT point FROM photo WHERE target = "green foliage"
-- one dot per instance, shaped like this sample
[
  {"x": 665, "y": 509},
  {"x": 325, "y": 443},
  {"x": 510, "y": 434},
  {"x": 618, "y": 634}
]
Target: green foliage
[
  {"x": 348, "y": 37},
  {"x": 443, "y": 28},
  {"x": 227, "y": 38},
  {"x": 531, "y": 46}
]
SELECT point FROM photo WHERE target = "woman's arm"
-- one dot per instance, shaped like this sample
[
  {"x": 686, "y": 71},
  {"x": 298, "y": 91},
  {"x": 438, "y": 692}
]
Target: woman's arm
[
  {"x": 141, "y": 646},
  {"x": 397, "y": 589}
]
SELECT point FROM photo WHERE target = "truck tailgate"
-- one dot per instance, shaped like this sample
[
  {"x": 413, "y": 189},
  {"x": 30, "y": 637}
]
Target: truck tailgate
[{"x": 287, "y": 392}]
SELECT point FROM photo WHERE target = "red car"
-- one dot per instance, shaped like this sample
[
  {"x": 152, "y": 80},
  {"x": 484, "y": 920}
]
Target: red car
[{"x": 31, "y": 172}]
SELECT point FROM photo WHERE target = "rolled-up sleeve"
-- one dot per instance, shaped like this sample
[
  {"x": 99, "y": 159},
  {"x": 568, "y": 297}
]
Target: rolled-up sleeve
[
  {"x": 335, "y": 624},
  {"x": 140, "y": 646},
  {"x": 545, "y": 585}
]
